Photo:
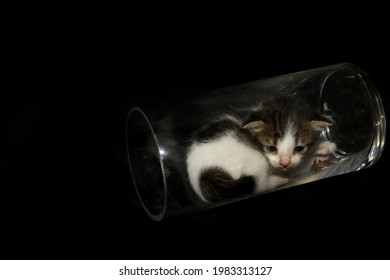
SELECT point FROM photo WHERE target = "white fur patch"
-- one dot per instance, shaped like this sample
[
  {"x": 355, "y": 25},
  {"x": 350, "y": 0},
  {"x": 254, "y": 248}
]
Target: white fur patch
[
  {"x": 326, "y": 148},
  {"x": 285, "y": 148},
  {"x": 287, "y": 144},
  {"x": 235, "y": 157}
]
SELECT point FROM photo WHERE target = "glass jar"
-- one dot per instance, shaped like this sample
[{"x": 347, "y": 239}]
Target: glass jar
[{"x": 199, "y": 150}]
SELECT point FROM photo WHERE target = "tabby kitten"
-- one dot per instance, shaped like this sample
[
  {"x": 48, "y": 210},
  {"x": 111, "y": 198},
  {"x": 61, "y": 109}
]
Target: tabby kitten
[{"x": 234, "y": 156}]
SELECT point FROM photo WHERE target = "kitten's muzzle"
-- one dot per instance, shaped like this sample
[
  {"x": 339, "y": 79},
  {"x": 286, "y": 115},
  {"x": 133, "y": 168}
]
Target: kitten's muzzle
[{"x": 284, "y": 162}]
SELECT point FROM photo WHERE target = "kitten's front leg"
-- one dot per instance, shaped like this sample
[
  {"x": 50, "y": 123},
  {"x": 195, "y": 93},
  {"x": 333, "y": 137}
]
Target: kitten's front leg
[
  {"x": 274, "y": 181},
  {"x": 322, "y": 154},
  {"x": 324, "y": 150}
]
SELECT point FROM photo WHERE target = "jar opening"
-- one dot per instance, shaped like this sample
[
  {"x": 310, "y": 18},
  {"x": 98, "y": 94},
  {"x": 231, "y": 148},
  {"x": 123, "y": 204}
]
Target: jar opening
[{"x": 145, "y": 164}]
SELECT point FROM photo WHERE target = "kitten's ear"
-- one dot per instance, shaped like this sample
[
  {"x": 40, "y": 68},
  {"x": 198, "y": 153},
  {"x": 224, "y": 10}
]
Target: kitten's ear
[
  {"x": 318, "y": 125},
  {"x": 255, "y": 126}
]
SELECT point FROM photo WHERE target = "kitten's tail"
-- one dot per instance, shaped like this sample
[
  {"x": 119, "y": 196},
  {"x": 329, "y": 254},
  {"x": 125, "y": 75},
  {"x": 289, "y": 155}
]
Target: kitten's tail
[{"x": 217, "y": 185}]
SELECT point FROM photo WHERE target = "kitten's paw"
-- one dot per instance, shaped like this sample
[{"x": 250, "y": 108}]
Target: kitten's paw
[
  {"x": 324, "y": 150},
  {"x": 272, "y": 182},
  {"x": 318, "y": 164},
  {"x": 276, "y": 181}
]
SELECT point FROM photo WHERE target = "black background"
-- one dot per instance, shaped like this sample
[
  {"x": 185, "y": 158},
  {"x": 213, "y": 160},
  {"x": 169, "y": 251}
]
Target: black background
[{"x": 66, "y": 191}]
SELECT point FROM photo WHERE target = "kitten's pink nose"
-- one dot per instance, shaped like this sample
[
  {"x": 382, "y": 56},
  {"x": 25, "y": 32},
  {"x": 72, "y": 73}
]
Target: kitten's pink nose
[{"x": 285, "y": 162}]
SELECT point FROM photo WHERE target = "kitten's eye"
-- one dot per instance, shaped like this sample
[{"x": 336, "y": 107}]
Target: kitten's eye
[
  {"x": 299, "y": 149},
  {"x": 272, "y": 148}
]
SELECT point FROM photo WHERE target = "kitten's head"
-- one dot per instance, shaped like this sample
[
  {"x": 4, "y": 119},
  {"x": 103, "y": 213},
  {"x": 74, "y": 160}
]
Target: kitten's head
[{"x": 285, "y": 143}]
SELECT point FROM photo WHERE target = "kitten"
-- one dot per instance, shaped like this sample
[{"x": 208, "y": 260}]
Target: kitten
[
  {"x": 233, "y": 156},
  {"x": 287, "y": 130}
]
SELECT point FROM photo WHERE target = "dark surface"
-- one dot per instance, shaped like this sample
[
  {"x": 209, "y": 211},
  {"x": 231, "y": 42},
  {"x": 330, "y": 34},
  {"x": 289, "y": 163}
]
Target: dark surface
[{"x": 66, "y": 191}]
